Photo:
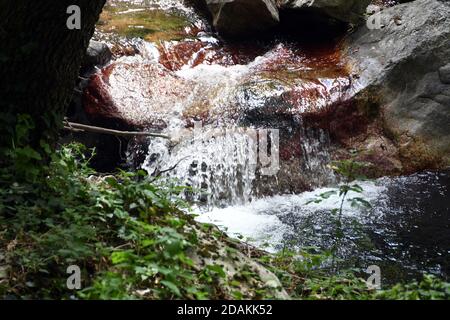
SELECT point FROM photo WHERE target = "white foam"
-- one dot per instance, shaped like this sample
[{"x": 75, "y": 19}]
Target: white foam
[
  {"x": 259, "y": 221},
  {"x": 263, "y": 230}
]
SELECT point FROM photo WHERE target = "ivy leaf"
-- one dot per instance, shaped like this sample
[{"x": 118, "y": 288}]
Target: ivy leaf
[
  {"x": 217, "y": 269},
  {"x": 172, "y": 287},
  {"x": 28, "y": 152},
  {"x": 356, "y": 188},
  {"x": 327, "y": 194},
  {"x": 119, "y": 257},
  {"x": 359, "y": 202}
]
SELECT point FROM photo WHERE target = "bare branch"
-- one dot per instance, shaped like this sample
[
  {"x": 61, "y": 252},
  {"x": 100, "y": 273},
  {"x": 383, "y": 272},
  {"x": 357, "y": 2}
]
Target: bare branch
[{"x": 77, "y": 127}]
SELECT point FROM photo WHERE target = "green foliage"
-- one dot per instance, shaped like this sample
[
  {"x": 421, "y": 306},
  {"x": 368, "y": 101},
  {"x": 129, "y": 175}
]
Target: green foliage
[
  {"x": 430, "y": 288},
  {"x": 131, "y": 232},
  {"x": 47, "y": 220},
  {"x": 126, "y": 232},
  {"x": 304, "y": 276}
]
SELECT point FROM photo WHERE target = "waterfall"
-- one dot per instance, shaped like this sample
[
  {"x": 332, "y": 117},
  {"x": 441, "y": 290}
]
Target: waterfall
[
  {"x": 248, "y": 99},
  {"x": 219, "y": 166}
]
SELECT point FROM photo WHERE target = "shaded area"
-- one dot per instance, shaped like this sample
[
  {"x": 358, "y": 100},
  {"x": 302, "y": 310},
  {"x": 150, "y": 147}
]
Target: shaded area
[{"x": 414, "y": 224}]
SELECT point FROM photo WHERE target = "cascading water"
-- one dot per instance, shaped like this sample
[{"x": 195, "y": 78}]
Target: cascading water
[
  {"x": 224, "y": 162},
  {"x": 219, "y": 169}
]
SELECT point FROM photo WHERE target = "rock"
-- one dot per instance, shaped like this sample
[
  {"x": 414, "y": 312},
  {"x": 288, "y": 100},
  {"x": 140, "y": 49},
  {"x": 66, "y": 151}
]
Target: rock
[
  {"x": 403, "y": 69},
  {"x": 235, "y": 18},
  {"x": 134, "y": 93},
  {"x": 444, "y": 74},
  {"x": 234, "y": 259},
  {"x": 97, "y": 54},
  {"x": 350, "y": 11},
  {"x": 200, "y": 7},
  {"x": 278, "y": 93}
]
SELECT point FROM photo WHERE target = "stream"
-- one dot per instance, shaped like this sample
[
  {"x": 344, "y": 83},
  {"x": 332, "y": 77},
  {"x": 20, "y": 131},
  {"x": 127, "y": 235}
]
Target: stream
[{"x": 235, "y": 112}]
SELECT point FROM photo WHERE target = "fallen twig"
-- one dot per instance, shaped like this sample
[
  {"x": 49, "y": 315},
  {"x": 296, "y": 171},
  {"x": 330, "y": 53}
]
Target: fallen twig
[{"x": 77, "y": 127}]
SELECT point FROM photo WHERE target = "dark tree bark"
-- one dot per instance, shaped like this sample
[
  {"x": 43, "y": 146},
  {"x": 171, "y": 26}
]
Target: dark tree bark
[{"x": 40, "y": 60}]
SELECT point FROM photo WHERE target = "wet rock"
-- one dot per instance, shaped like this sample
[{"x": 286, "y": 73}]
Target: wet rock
[
  {"x": 351, "y": 11},
  {"x": 125, "y": 47},
  {"x": 403, "y": 74},
  {"x": 97, "y": 54},
  {"x": 235, "y": 18},
  {"x": 200, "y": 7},
  {"x": 136, "y": 93},
  {"x": 293, "y": 80},
  {"x": 175, "y": 55}
]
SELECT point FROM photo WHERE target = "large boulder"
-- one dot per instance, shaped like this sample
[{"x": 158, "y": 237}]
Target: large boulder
[
  {"x": 237, "y": 18},
  {"x": 351, "y": 11},
  {"x": 403, "y": 68},
  {"x": 234, "y": 18}
]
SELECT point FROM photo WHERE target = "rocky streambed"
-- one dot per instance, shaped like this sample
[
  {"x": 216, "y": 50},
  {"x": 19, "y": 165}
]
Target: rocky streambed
[{"x": 260, "y": 96}]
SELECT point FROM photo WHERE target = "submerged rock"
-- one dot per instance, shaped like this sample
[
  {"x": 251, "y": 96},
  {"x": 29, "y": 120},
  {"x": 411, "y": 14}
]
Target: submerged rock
[
  {"x": 403, "y": 68},
  {"x": 144, "y": 19}
]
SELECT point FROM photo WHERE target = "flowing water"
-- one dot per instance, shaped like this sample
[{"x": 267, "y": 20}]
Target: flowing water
[
  {"x": 405, "y": 231},
  {"x": 234, "y": 112}
]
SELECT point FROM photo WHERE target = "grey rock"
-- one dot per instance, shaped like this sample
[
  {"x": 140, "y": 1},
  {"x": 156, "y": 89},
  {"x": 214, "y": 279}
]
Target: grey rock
[
  {"x": 235, "y": 18},
  {"x": 444, "y": 74},
  {"x": 97, "y": 54},
  {"x": 406, "y": 65},
  {"x": 351, "y": 11}
]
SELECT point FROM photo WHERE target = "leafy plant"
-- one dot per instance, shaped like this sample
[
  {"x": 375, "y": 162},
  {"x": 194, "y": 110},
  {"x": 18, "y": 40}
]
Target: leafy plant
[{"x": 349, "y": 170}]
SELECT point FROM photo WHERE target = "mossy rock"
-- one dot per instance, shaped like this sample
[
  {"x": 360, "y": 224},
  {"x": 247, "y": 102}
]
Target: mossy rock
[
  {"x": 132, "y": 21},
  {"x": 417, "y": 155}
]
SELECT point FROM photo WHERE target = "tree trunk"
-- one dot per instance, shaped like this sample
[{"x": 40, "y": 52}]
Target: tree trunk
[{"x": 40, "y": 60}]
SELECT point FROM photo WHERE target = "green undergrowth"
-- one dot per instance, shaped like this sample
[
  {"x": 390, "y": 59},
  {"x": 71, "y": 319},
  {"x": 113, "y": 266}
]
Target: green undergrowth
[{"x": 133, "y": 237}]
